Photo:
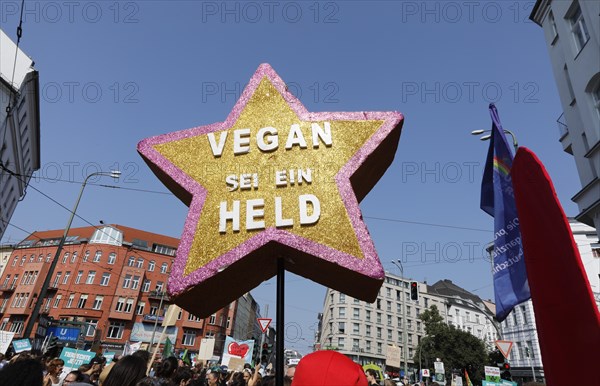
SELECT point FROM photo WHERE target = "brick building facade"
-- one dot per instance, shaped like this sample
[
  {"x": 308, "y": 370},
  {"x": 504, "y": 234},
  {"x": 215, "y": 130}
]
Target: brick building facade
[{"x": 112, "y": 279}]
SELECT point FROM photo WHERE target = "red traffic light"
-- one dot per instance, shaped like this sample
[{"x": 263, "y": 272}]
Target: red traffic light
[
  {"x": 506, "y": 366},
  {"x": 265, "y": 346}
]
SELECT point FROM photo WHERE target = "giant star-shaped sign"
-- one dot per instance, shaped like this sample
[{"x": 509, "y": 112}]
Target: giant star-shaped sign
[{"x": 274, "y": 181}]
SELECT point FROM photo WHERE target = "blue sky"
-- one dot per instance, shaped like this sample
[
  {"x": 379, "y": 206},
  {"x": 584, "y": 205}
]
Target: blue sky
[{"x": 114, "y": 73}]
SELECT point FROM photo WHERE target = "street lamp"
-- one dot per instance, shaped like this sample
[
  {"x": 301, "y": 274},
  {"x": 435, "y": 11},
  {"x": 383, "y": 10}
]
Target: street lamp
[
  {"x": 398, "y": 264},
  {"x": 488, "y": 136},
  {"x": 36, "y": 309}
]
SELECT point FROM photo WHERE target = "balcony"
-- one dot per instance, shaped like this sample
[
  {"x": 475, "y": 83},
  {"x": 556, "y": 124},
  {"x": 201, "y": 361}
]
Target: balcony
[
  {"x": 152, "y": 318},
  {"x": 563, "y": 129},
  {"x": 7, "y": 288},
  {"x": 158, "y": 295}
]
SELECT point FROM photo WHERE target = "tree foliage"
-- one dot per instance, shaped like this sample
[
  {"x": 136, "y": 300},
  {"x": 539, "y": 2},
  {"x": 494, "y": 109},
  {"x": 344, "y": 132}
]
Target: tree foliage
[{"x": 458, "y": 349}]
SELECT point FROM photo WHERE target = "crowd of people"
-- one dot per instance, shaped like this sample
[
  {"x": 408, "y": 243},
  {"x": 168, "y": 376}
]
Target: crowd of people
[
  {"x": 26, "y": 369},
  {"x": 321, "y": 368}
]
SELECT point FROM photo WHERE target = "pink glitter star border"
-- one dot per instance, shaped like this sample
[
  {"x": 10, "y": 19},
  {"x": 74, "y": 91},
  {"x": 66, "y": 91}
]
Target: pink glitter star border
[{"x": 176, "y": 179}]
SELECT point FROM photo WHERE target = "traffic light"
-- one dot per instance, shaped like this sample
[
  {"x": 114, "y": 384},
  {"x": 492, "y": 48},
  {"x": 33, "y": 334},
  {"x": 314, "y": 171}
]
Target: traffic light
[
  {"x": 506, "y": 372},
  {"x": 414, "y": 290},
  {"x": 266, "y": 352}
]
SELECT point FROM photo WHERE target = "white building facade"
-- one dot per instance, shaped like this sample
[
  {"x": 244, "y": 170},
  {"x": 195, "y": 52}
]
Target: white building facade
[
  {"x": 520, "y": 328},
  {"x": 364, "y": 331},
  {"x": 572, "y": 33},
  {"x": 20, "y": 126}
]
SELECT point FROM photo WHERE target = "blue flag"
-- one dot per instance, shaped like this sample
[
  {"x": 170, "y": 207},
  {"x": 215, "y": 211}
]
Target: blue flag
[{"x": 498, "y": 200}]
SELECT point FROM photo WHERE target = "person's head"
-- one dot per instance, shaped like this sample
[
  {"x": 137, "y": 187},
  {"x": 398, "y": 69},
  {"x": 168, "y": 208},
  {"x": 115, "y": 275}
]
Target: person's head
[
  {"x": 389, "y": 382},
  {"x": 96, "y": 365},
  {"x": 73, "y": 376},
  {"x": 212, "y": 378},
  {"x": 247, "y": 374},
  {"x": 167, "y": 367},
  {"x": 371, "y": 375},
  {"x": 182, "y": 376},
  {"x": 149, "y": 381},
  {"x": 328, "y": 367},
  {"x": 55, "y": 366},
  {"x": 290, "y": 371},
  {"x": 27, "y": 372},
  {"x": 144, "y": 354},
  {"x": 126, "y": 372}
]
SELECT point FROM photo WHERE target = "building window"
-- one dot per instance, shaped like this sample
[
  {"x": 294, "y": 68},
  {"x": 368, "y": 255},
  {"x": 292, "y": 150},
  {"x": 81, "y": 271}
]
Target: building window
[
  {"x": 140, "y": 263},
  {"x": 105, "y": 279},
  {"x": 163, "y": 268},
  {"x": 341, "y": 342},
  {"x": 569, "y": 84},
  {"x": 82, "y": 300},
  {"x": 389, "y": 334},
  {"x": 91, "y": 325},
  {"x": 115, "y": 330},
  {"x": 107, "y": 235},
  {"x": 57, "y": 301},
  {"x": 139, "y": 309},
  {"x": 23, "y": 259},
  {"x": 129, "y": 306},
  {"x": 17, "y": 324},
  {"x": 367, "y": 315},
  {"x": 524, "y": 313},
  {"x": 73, "y": 257},
  {"x": 342, "y": 298},
  {"x": 379, "y": 348},
  {"x": 368, "y": 330},
  {"x": 342, "y": 312},
  {"x": 120, "y": 305},
  {"x": 127, "y": 281},
  {"x": 98, "y": 302},
  {"x": 135, "y": 282},
  {"x": 189, "y": 338},
  {"x": 56, "y": 279},
  {"x": 86, "y": 256},
  {"x": 356, "y": 313},
  {"x": 146, "y": 285},
  {"x": 151, "y": 265},
  {"x": 90, "y": 277},
  {"x": 159, "y": 286},
  {"x": 131, "y": 261},
  {"x": 355, "y": 345},
  {"x": 368, "y": 345},
  {"x": 65, "y": 257},
  {"x": 342, "y": 327},
  {"x": 15, "y": 261},
  {"x": 67, "y": 276},
  {"x": 579, "y": 28},
  {"x": 378, "y": 332},
  {"x": 112, "y": 257},
  {"x": 70, "y": 301},
  {"x": 389, "y": 306},
  {"x": 212, "y": 319},
  {"x": 97, "y": 256},
  {"x": 355, "y": 328},
  {"x": 379, "y": 317},
  {"x": 389, "y": 320}
]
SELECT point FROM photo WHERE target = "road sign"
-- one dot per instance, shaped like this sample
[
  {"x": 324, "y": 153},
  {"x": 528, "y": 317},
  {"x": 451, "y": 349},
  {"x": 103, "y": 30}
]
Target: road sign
[
  {"x": 504, "y": 346},
  {"x": 264, "y": 323}
]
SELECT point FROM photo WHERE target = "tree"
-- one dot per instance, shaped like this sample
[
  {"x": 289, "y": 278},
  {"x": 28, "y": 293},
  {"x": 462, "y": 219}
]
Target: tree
[{"x": 457, "y": 349}]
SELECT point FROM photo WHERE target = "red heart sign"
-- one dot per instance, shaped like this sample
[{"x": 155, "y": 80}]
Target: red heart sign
[{"x": 239, "y": 350}]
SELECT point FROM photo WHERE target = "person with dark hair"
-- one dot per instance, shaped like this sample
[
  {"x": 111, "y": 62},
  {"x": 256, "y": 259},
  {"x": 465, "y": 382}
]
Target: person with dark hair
[
  {"x": 144, "y": 354},
  {"x": 53, "y": 371},
  {"x": 167, "y": 367},
  {"x": 182, "y": 376},
  {"x": 371, "y": 377},
  {"x": 73, "y": 376},
  {"x": 148, "y": 381},
  {"x": 26, "y": 372},
  {"x": 126, "y": 372}
]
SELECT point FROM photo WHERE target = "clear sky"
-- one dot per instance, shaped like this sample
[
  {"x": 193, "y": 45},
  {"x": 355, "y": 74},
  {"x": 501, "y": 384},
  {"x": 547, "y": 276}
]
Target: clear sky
[{"x": 114, "y": 73}]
